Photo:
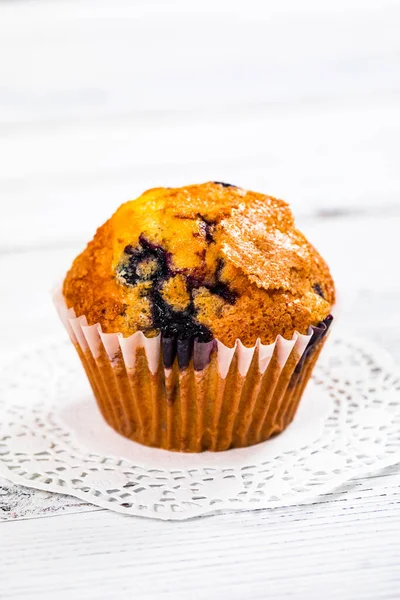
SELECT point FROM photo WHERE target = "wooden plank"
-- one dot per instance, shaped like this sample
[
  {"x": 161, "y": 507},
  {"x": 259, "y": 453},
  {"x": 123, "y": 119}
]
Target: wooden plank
[
  {"x": 343, "y": 546},
  {"x": 58, "y": 186},
  {"x": 80, "y": 58}
]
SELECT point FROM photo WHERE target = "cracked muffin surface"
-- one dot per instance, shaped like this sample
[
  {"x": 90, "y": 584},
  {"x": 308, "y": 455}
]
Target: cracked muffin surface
[{"x": 205, "y": 261}]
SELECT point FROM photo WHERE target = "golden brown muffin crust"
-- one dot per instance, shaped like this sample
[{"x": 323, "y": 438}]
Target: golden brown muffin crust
[{"x": 206, "y": 259}]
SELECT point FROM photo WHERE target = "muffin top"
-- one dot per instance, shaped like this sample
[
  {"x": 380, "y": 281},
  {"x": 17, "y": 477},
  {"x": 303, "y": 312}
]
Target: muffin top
[{"x": 204, "y": 261}]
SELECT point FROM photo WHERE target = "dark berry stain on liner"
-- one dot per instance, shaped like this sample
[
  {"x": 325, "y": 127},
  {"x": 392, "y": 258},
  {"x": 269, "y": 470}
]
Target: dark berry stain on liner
[
  {"x": 179, "y": 329},
  {"x": 318, "y": 333}
]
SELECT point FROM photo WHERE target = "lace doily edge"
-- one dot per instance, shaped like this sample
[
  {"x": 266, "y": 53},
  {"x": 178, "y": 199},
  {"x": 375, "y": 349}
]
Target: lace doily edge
[{"x": 194, "y": 512}]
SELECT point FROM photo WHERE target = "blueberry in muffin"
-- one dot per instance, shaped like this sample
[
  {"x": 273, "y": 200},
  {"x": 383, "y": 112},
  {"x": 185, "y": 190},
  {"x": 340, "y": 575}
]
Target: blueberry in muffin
[
  {"x": 201, "y": 269},
  {"x": 203, "y": 261}
]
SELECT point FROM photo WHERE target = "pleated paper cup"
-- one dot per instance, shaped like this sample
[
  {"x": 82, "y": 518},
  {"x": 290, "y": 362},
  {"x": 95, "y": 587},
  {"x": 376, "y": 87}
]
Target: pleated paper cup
[{"x": 189, "y": 396}]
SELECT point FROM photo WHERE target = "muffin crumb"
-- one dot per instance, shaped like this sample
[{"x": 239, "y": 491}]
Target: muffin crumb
[{"x": 208, "y": 260}]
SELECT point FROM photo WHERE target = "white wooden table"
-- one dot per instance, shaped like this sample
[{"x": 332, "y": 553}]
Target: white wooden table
[{"x": 101, "y": 100}]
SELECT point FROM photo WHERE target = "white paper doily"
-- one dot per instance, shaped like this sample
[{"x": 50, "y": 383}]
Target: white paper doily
[{"x": 53, "y": 438}]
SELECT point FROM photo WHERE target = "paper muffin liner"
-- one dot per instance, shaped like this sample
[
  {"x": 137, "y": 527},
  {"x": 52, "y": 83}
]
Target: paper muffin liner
[{"x": 188, "y": 396}]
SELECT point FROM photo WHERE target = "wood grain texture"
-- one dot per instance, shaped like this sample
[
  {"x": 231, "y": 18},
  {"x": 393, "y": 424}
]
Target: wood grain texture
[
  {"x": 99, "y": 103},
  {"x": 59, "y": 185},
  {"x": 101, "y": 100},
  {"x": 343, "y": 546}
]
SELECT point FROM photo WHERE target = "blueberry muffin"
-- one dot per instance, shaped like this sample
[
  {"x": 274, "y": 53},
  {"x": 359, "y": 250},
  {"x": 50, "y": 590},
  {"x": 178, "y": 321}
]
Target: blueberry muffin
[{"x": 188, "y": 272}]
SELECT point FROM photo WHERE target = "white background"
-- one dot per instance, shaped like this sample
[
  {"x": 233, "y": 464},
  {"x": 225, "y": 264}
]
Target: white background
[{"x": 301, "y": 100}]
